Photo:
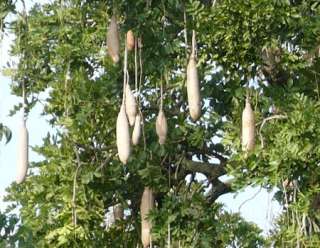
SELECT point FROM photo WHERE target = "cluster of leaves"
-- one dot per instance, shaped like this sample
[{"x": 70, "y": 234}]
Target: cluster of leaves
[
  {"x": 287, "y": 153},
  {"x": 187, "y": 213},
  {"x": 61, "y": 46},
  {"x": 6, "y": 7},
  {"x": 5, "y": 132},
  {"x": 7, "y": 229}
]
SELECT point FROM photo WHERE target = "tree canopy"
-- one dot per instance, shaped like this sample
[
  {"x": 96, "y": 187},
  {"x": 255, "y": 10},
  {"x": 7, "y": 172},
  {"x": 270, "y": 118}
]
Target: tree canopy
[{"x": 261, "y": 49}]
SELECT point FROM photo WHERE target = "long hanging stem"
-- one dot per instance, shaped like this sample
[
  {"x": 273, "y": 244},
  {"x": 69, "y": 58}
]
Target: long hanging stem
[
  {"x": 185, "y": 29},
  {"x": 125, "y": 74},
  {"x": 161, "y": 95},
  {"x": 194, "y": 50},
  {"x": 136, "y": 65},
  {"x": 186, "y": 43},
  {"x": 169, "y": 236},
  {"x": 23, "y": 99},
  {"x": 247, "y": 92},
  {"x": 140, "y": 64},
  {"x": 169, "y": 184},
  {"x": 139, "y": 45}
]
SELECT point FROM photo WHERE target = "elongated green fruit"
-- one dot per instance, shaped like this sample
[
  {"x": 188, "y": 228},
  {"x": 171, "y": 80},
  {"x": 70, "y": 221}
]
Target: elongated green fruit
[
  {"x": 131, "y": 105},
  {"x": 248, "y": 128},
  {"x": 193, "y": 90},
  {"x": 22, "y": 156},
  {"x": 136, "y": 130},
  {"x": 161, "y": 127},
  {"x": 113, "y": 40},
  {"x": 147, "y": 204},
  {"x": 123, "y": 136}
]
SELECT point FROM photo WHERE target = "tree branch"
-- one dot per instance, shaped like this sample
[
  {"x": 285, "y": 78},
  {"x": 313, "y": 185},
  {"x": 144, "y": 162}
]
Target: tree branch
[
  {"x": 264, "y": 122},
  {"x": 218, "y": 188},
  {"x": 208, "y": 152},
  {"x": 212, "y": 171}
]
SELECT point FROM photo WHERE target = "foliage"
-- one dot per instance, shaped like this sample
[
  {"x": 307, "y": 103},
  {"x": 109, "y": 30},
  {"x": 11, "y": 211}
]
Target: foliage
[
  {"x": 7, "y": 229},
  {"x": 6, "y": 7},
  {"x": 5, "y": 133},
  {"x": 187, "y": 214},
  {"x": 271, "y": 46}
]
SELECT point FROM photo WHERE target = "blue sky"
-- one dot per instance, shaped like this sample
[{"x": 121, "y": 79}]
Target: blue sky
[{"x": 260, "y": 210}]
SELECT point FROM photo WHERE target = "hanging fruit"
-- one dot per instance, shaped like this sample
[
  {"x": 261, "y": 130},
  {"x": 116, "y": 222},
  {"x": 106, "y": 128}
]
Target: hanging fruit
[
  {"x": 161, "y": 127},
  {"x": 147, "y": 204},
  {"x": 161, "y": 121},
  {"x": 130, "y": 40},
  {"x": 131, "y": 105},
  {"x": 136, "y": 130},
  {"x": 193, "y": 88},
  {"x": 118, "y": 212},
  {"x": 22, "y": 156},
  {"x": 248, "y": 128},
  {"x": 113, "y": 40},
  {"x": 123, "y": 136}
]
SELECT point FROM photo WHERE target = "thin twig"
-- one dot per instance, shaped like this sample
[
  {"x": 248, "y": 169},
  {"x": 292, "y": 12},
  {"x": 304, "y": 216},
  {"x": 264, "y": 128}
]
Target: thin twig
[
  {"x": 304, "y": 224},
  {"x": 106, "y": 161},
  {"x": 164, "y": 159},
  {"x": 286, "y": 200},
  {"x": 316, "y": 228},
  {"x": 251, "y": 198},
  {"x": 265, "y": 121},
  {"x": 309, "y": 225},
  {"x": 177, "y": 168}
]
